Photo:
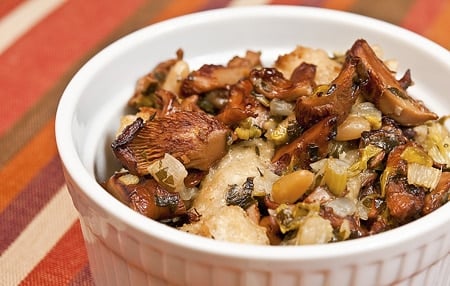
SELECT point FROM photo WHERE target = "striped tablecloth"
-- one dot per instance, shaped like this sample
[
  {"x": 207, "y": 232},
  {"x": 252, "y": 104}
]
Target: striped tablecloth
[{"x": 42, "y": 44}]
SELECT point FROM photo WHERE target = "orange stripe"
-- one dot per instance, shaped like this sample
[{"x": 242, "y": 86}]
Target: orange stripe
[
  {"x": 70, "y": 249},
  {"x": 439, "y": 30},
  {"x": 421, "y": 15},
  {"x": 50, "y": 48},
  {"x": 338, "y": 4},
  {"x": 177, "y": 8},
  {"x": 36, "y": 154},
  {"x": 7, "y": 5}
]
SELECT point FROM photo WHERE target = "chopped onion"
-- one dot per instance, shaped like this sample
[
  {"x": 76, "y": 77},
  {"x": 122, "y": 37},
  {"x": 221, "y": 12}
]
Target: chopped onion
[
  {"x": 314, "y": 230},
  {"x": 280, "y": 107},
  {"x": 129, "y": 179},
  {"x": 342, "y": 206},
  {"x": 169, "y": 172},
  {"x": 188, "y": 194}
]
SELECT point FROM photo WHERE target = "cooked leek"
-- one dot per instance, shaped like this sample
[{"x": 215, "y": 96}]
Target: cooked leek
[
  {"x": 367, "y": 153},
  {"x": 384, "y": 178},
  {"x": 335, "y": 176},
  {"x": 289, "y": 217},
  {"x": 280, "y": 133},
  {"x": 248, "y": 133},
  {"x": 424, "y": 176},
  {"x": 436, "y": 140},
  {"x": 369, "y": 112},
  {"x": 248, "y": 130},
  {"x": 416, "y": 155}
]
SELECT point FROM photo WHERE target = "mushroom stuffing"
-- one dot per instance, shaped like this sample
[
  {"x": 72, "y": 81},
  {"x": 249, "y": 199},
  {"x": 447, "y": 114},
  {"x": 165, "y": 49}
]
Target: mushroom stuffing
[{"x": 315, "y": 148}]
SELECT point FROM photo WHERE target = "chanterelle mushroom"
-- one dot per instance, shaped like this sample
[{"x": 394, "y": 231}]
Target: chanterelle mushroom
[
  {"x": 194, "y": 138},
  {"x": 209, "y": 77},
  {"x": 338, "y": 98},
  {"x": 311, "y": 146},
  {"x": 386, "y": 92},
  {"x": 145, "y": 196}
]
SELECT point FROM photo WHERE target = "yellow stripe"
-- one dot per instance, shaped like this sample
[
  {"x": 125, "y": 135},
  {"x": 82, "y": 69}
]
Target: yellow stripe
[
  {"x": 38, "y": 238},
  {"x": 22, "y": 18}
]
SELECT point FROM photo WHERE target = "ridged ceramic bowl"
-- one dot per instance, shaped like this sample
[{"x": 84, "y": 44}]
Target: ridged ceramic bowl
[{"x": 126, "y": 248}]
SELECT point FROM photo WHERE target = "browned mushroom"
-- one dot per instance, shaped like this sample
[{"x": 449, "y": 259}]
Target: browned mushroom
[
  {"x": 439, "y": 196},
  {"x": 210, "y": 77},
  {"x": 250, "y": 60},
  {"x": 304, "y": 72},
  {"x": 386, "y": 138},
  {"x": 386, "y": 92},
  {"x": 272, "y": 84},
  {"x": 337, "y": 99},
  {"x": 194, "y": 138},
  {"x": 404, "y": 201},
  {"x": 145, "y": 196},
  {"x": 356, "y": 230},
  {"x": 164, "y": 103},
  {"x": 151, "y": 82},
  {"x": 311, "y": 146},
  {"x": 190, "y": 104},
  {"x": 272, "y": 229},
  {"x": 241, "y": 104}
]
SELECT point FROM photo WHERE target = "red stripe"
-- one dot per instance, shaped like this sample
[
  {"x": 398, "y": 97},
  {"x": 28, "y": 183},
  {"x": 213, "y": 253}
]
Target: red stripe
[
  {"x": 177, "y": 8},
  {"x": 83, "y": 277},
  {"x": 422, "y": 14},
  {"x": 313, "y": 3},
  {"x": 71, "y": 251},
  {"x": 29, "y": 202},
  {"x": 7, "y": 6},
  {"x": 214, "y": 4},
  {"x": 36, "y": 61}
]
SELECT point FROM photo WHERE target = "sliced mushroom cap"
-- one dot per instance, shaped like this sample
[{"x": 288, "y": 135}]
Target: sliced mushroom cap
[
  {"x": 145, "y": 196},
  {"x": 151, "y": 82},
  {"x": 241, "y": 104},
  {"x": 404, "y": 201},
  {"x": 386, "y": 92},
  {"x": 272, "y": 84},
  {"x": 210, "y": 77},
  {"x": 439, "y": 196},
  {"x": 311, "y": 146},
  {"x": 386, "y": 138},
  {"x": 336, "y": 100},
  {"x": 194, "y": 138}
]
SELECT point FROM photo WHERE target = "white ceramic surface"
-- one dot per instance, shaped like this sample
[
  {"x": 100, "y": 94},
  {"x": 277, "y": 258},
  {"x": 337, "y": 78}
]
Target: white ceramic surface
[{"x": 126, "y": 248}]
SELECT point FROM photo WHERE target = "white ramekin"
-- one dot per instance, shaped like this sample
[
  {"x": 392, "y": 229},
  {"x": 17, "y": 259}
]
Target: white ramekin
[{"x": 126, "y": 248}]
